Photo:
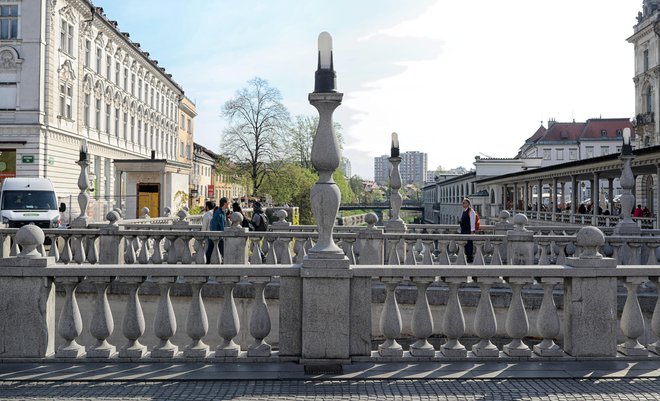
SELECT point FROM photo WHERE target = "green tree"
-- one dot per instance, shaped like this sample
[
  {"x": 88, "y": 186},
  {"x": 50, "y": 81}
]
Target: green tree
[
  {"x": 258, "y": 126},
  {"x": 292, "y": 184},
  {"x": 347, "y": 195},
  {"x": 357, "y": 186}
]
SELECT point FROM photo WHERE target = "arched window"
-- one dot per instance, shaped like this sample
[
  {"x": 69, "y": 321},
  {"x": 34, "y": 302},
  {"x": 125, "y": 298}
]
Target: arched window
[{"x": 649, "y": 100}]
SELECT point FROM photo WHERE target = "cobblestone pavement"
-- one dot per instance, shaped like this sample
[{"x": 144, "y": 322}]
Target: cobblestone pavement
[{"x": 459, "y": 390}]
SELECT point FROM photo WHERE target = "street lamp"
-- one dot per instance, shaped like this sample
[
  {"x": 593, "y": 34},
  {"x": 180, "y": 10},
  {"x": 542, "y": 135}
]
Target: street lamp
[{"x": 626, "y": 225}]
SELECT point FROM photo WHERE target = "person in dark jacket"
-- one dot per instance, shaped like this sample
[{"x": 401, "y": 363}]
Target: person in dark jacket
[
  {"x": 468, "y": 226},
  {"x": 236, "y": 207},
  {"x": 219, "y": 222}
]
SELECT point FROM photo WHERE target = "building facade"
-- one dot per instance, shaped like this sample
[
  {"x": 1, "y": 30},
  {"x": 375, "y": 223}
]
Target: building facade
[
  {"x": 67, "y": 73},
  {"x": 412, "y": 168}
]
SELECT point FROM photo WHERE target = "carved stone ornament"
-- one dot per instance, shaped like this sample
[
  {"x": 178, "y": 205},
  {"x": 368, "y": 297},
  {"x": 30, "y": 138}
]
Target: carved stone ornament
[
  {"x": 66, "y": 71},
  {"x": 7, "y": 60},
  {"x": 67, "y": 13},
  {"x": 87, "y": 84},
  {"x": 98, "y": 90},
  {"x": 108, "y": 95},
  {"x": 100, "y": 41}
]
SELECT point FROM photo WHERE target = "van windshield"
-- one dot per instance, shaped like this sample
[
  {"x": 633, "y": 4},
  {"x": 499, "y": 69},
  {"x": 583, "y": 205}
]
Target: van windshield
[{"x": 28, "y": 200}]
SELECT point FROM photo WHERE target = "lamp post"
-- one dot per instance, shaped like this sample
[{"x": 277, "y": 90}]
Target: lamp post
[
  {"x": 395, "y": 223},
  {"x": 325, "y": 157},
  {"x": 626, "y": 225},
  {"x": 83, "y": 185}
]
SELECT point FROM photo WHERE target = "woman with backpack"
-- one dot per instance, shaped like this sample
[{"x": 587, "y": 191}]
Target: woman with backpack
[{"x": 468, "y": 226}]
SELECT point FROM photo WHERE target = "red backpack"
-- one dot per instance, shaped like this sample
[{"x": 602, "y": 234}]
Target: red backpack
[{"x": 477, "y": 223}]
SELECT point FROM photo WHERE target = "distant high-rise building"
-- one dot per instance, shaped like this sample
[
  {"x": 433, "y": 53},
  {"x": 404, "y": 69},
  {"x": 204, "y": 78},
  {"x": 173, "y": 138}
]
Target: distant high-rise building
[
  {"x": 412, "y": 168},
  {"x": 345, "y": 167}
]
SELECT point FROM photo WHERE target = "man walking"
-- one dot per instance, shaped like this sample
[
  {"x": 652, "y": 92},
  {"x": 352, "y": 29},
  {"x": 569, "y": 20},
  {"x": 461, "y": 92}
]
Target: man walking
[
  {"x": 206, "y": 226},
  {"x": 219, "y": 222}
]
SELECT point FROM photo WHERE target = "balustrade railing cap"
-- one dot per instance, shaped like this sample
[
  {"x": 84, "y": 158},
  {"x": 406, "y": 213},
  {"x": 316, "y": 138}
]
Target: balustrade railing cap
[{"x": 29, "y": 237}]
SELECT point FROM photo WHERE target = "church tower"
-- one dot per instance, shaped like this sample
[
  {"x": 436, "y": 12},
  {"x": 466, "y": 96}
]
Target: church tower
[{"x": 647, "y": 74}]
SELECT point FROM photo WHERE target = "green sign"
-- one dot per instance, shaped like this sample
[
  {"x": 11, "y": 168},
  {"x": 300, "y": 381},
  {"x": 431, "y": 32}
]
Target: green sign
[{"x": 27, "y": 159}]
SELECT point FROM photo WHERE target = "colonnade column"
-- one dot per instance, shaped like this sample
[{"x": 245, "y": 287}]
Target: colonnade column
[
  {"x": 515, "y": 198},
  {"x": 539, "y": 199},
  {"x": 526, "y": 198},
  {"x": 573, "y": 197},
  {"x": 563, "y": 193},
  {"x": 554, "y": 199},
  {"x": 656, "y": 211},
  {"x": 595, "y": 198},
  {"x": 504, "y": 200},
  {"x": 610, "y": 195}
]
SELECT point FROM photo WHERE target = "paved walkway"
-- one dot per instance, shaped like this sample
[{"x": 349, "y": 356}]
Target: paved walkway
[{"x": 594, "y": 380}]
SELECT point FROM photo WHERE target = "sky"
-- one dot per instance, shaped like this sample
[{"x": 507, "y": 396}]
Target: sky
[{"x": 455, "y": 79}]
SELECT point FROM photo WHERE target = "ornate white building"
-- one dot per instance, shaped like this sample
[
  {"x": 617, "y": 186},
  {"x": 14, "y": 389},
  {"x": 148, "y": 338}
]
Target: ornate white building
[{"x": 68, "y": 73}]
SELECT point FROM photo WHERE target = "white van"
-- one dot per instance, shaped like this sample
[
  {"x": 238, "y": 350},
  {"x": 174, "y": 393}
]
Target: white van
[{"x": 29, "y": 201}]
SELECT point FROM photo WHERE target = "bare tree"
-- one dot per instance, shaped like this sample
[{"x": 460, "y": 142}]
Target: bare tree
[
  {"x": 302, "y": 135},
  {"x": 258, "y": 125}
]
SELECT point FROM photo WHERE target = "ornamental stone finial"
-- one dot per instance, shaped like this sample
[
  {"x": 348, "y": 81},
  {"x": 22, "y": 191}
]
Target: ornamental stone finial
[
  {"x": 371, "y": 219},
  {"x": 590, "y": 239},
  {"x": 113, "y": 217},
  {"x": 29, "y": 237},
  {"x": 144, "y": 213}
]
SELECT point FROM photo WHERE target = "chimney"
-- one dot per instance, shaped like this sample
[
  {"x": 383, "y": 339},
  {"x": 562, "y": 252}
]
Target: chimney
[{"x": 551, "y": 122}]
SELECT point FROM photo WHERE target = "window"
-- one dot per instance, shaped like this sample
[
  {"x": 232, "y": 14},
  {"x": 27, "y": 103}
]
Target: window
[
  {"x": 546, "y": 154},
  {"x": 619, "y": 133},
  {"x": 188, "y": 151},
  {"x": 117, "y": 121},
  {"x": 126, "y": 79},
  {"x": 603, "y": 133},
  {"x": 133, "y": 84},
  {"x": 183, "y": 122},
  {"x": 9, "y": 22},
  {"x": 108, "y": 67},
  {"x": 125, "y": 130},
  {"x": 140, "y": 89},
  {"x": 88, "y": 52},
  {"x": 132, "y": 129},
  {"x": 8, "y": 96},
  {"x": 649, "y": 100},
  {"x": 66, "y": 102},
  {"x": 189, "y": 126},
  {"x": 151, "y": 102},
  {"x": 560, "y": 154},
  {"x": 87, "y": 115},
  {"x": 589, "y": 152},
  {"x": 645, "y": 60},
  {"x": 604, "y": 150},
  {"x": 97, "y": 120},
  {"x": 139, "y": 132},
  {"x": 117, "y": 73},
  {"x": 182, "y": 149},
  {"x": 572, "y": 154},
  {"x": 108, "y": 114},
  {"x": 99, "y": 58},
  {"x": 66, "y": 37}
]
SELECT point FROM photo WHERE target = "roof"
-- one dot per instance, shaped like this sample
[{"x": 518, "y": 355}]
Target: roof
[{"x": 592, "y": 129}]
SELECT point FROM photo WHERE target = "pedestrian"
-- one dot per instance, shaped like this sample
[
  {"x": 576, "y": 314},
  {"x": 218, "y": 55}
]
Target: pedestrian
[
  {"x": 219, "y": 222},
  {"x": 638, "y": 212},
  {"x": 468, "y": 226},
  {"x": 259, "y": 219},
  {"x": 206, "y": 226}
]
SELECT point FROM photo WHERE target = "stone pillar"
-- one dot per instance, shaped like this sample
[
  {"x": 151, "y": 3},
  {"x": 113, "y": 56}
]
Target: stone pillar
[
  {"x": 29, "y": 330},
  {"x": 539, "y": 199},
  {"x": 590, "y": 304},
  {"x": 504, "y": 197},
  {"x": 111, "y": 243},
  {"x": 372, "y": 243},
  {"x": 656, "y": 211},
  {"x": 610, "y": 194},
  {"x": 554, "y": 199},
  {"x": 526, "y": 198},
  {"x": 335, "y": 309},
  {"x": 515, "y": 198},
  {"x": 595, "y": 198},
  {"x": 83, "y": 185},
  {"x": 626, "y": 224},
  {"x": 574, "y": 198},
  {"x": 236, "y": 250}
]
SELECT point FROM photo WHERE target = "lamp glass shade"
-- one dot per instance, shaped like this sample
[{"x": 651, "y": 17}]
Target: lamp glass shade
[
  {"x": 325, "y": 51},
  {"x": 395, "y": 140},
  {"x": 626, "y": 136}
]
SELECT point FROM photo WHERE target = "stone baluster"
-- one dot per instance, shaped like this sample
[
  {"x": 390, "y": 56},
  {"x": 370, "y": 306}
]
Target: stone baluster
[
  {"x": 347, "y": 247},
  {"x": 635, "y": 253},
  {"x": 478, "y": 253},
  {"x": 143, "y": 255},
  {"x": 390, "y": 321},
  {"x": 299, "y": 251},
  {"x": 92, "y": 250},
  {"x": 427, "y": 252},
  {"x": 102, "y": 324},
  {"x": 172, "y": 256},
  {"x": 410, "y": 259},
  {"x": 422, "y": 320},
  {"x": 53, "y": 251},
  {"x": 517, "y": 325},
  {"x": 443, "y": 257},
  {"x": 460, "y": 255},
  {"x": 200, "y": 249},
  {"x": 655, "y": 321},
  {"x": 256, "y": 256},
  {"x": 285, "y": 251},
  {"x": 5, "y": 245},
  {"x": 186, "y": 257},
  {"x": 259, "y": 320},
  {"x": 216, "y": 256},
  {"x": 129, "y": 255},
  {"x": 547, "y": 322},
  {"x": 496, "y": 258},
  {"x": 271, "y": 255},
  {"x": 165, "y": 320},
  {"x": 309, "y": 244},
  {"x": 544, "y": 258},
  {"x": 561, "y": 252},
  {"x": 111, "y": 242},
  {"x": 157, "y": 255},
  {"x": 15, "y": 249},
  {"x": 197, "y": 322},
  {"x": 485, "y": 323},
  {"x": 632, "y": 320},
  {"x": 70, "y": 325},
  {"x": 79, "y": 250},
  {"x": 453, "y": 322},
  {"x": 228, "y": 324},
  {"x": 66, "y": 256},
  {"x": 652, "y": 260},
  {"x": 393, "y": 258},
  {"x": 133, "y": 322}
]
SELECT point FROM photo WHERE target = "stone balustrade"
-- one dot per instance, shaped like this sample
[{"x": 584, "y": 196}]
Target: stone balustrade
[{"x": 584, "y": 326}]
